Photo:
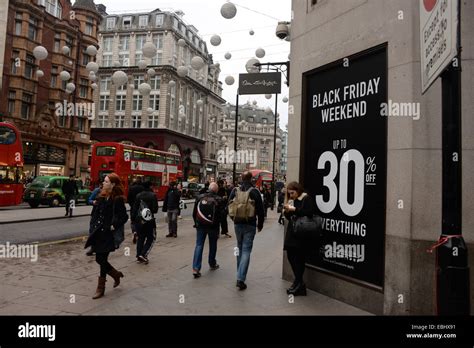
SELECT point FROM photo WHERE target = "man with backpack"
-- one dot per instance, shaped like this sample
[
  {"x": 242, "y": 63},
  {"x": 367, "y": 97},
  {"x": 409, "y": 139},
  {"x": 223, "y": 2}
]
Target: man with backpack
[
  {"x": 207, "y": 214},
  {"x": 247, "y": 211},
  {"x": 143, "y": 215}
]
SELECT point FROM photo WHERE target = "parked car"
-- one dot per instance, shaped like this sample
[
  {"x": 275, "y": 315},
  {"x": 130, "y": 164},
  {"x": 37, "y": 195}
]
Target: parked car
[
  {"x": 191, "y": 189},
  {"x": 47, "y": 190}
]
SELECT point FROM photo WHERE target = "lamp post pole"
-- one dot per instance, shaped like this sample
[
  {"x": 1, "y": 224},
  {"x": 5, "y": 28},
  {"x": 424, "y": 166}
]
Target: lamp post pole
[
  {"x": 274, "y": 150},
  {"x": 234, "y": 175}
]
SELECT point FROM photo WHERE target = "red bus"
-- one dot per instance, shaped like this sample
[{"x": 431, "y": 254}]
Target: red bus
[
  {"x": 11, "y": 165},
  {"x": 261, "y": 177},
  {"x": 130, "y": 162}
]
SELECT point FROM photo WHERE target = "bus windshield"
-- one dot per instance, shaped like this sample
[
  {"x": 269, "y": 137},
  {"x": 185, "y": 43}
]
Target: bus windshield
[
  {"x": 105, "y": 151},
  {"x": 7, "y": 136}
]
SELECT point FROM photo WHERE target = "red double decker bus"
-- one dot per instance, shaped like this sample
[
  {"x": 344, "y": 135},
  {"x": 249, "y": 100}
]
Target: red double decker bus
[
  {"x": 261, "y": 177},
  {"x": 11, "y": 165},
  {"x": 129, "y": 162}
]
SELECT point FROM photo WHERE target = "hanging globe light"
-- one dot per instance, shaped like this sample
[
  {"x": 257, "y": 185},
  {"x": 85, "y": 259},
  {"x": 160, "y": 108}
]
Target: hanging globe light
[
  {"x": 40, "y": 52},
  {"x": 251, "y": 32},
  {"x": 144, "y": 89},
  {"x": 232, "y": 113},
  {"x": 197, "y": 63},
  {"x": 91, "y": 50},
  {"x": 141, "y": 64},
  {"x": 254, "y": 102},
  {"x": 285, "y": 99},
  {"x": 228, "y": 10},
  {"x": 268, "y": 96},
  {"x": 65, "y": 50},
  {"x": 92, "y": 66},
  {"x": 119, "y": 78},
  {"x": 151, "y": 72},
  {"x": 227, "y": 55},
  {"x": 260, "y": 52},
  {"x": 182, "y": 71},
  {"x": 70, "y": 87},
  {"x": 268, "y": 111},
  {"x": 250, "y": 67},
  {"x": 172, "y": 83},
  {"x": 216, "y": 40},
  {"x": 181, "y": 42},
  {"x": 39, "y": 73},
  {"x": 229, "y": 80},
  {"x": 149, "y": 110},
  {"x": 199, "y": 102},
  {"x": 64, "y": 75},
  {"x": 149, "y": 50}
]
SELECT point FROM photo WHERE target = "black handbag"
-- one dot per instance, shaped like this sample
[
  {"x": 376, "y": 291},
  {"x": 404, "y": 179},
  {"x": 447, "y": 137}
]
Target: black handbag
[{"x": 305, "y": 227}]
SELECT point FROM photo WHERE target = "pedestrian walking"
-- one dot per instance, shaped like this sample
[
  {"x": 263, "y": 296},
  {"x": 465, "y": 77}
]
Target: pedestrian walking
[
  {"x": 247, "y": 212},
  {"x": 133, "y": 191},
  {"x": 281, "y": 201},
  {"x": 207, "y": 213},
  {"x": 92, "y": 200},
  {"x": 297, "y": 250},
  {"x": 143, "y": 215},
  {"x": 70, "y": 190},
  {"x": 171, "y": 206},
  {"x": 222, "y": 193},
  {"x": 109, "y": 219}
]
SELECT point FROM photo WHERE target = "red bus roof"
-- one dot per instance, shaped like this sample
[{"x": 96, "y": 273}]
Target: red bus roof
[{"x": 109, "y": 143}]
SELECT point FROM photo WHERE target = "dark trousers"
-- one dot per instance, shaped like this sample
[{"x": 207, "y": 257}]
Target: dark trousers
[
  {"x": 68, "y": 203},
  {"x": 297, "y": 259},
  {"x": 201, "y": 234},
  {"x": 146, "y": 238},
  {"x": 223, "y": 225},
  {"x": 102, "y": 260}
]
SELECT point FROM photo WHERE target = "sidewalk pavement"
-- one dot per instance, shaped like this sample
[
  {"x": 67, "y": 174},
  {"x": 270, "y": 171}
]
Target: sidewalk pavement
[
  {"x": 63, "y": 280},
  {"x": 27, "y": 214}
]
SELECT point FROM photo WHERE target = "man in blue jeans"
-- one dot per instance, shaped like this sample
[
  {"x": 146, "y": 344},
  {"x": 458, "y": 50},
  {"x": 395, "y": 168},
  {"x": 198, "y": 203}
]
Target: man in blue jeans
[
  {"x": 207, "y": 214},
  {"x": 245, "y": 231}
]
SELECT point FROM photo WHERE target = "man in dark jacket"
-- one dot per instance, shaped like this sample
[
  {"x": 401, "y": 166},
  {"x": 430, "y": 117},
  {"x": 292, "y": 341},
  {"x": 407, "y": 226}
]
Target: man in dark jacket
[
  {"x": 245, "y": 232},
  {"x": 144, "y": 221},
  {"x": 133, "y": 191},
  {"x": 222, "y": 192},
  {"x": 171, "y": 206},
  {"x": 211, "y": 229},
  {"x": 70, "y": 190},
  {"x": 205, "y": 188}
]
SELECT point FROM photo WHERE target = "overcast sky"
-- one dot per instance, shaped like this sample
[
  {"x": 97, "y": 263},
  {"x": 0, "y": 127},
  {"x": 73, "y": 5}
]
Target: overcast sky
[{"x": 260, "y": 15}]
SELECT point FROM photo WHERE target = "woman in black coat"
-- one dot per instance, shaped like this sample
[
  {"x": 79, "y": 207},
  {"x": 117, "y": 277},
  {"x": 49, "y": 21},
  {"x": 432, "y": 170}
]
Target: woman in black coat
[
  {"x": 299, "y": 204},
  {"x": 108, "y": 220}
]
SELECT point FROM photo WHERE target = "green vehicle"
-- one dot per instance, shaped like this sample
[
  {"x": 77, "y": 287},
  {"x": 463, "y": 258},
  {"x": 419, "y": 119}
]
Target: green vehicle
[{"x": 47, "y": 190}]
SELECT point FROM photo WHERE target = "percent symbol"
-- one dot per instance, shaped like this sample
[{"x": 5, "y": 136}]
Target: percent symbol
[{"x": 371, "y": 166}]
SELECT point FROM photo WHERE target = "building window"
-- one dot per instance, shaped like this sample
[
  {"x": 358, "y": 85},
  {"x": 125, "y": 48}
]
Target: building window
[
  {"x": 155, "y": 83},
  {"x": 89, "y": 29},
  {"x": 57, "y": 42},
  {"x": 264, "y": 121},
  {"x": 81, "y": 121},
  {"x": 107, "y": 44},
  {"x": 85, "y": 57},
  {"x": 26, "y": 106},
  {"x": 103, "y": 119},
  {"x": 138, "y": 57},
  {"x": 137, "y": 103},
  {"x": 11, "y": 102},
  {"x": 157, "y": 59},
  {"x": 153, "y": 121},
  {"x": 32, "y": 31},
  {"x": 83, "y": 89},
  {"x": 104, "y": 103},
  {"x": 137, "y": 81},
  {"x": 54, "y": 76},
  {"x": 107, "y": 60},
  {"x": 15, "y": 62},
  {"x": 158, "y": 41},
  {"x": 159, "y": 20},
  {"x": 155, "y": 102},
  {"x": 195, "y": 157},
  {"x": 119, "y": 121},
  {"x": 70, "y": 44},
  {"x": 110, "y": 23},
  {"x": 140, "y": 41},
  {"x": 127, "y": 22},
  {"x": 18, "y": 23},
  {"x": 120, "y": 102},
  {"x": 124, "y": 44},
  {"x": 29, "y": 66},
  {"x": 136, "y": 121},
  {"x": 143, "y": 21},
  {"x": 123, "y": 59},
  {"x": 105, "y": 84}
]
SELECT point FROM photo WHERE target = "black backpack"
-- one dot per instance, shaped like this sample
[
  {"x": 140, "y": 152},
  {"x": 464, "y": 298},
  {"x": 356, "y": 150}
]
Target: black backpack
[
  {"x": 206, "y": 210},
  {"x": 144, "y": 214}
]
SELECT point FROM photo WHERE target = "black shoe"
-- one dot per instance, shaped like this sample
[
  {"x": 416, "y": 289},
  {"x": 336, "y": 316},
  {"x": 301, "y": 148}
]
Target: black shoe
[
  {"x": 241, "y": 285},
  {"x": 175, "y": 235},
  {"x": 67, "y": 213},
  {"x": 196, "y": 274},
  {"x": 292, "y": 287},
  {"x": 213, "y": 268},
  {"x": 142, "y": 259},
  {"x": 299, "y": 290},
  {"x": 169, "y": 235}
]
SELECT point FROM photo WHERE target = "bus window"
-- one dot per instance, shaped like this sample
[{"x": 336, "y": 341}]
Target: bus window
[
  {"x": 169, "y": 159},
  {"x": 160, "y": 158},
  {"x": 105, "y": 151},
  {"x": 150, "y": 157},
  {"x": 7, "y": 136},
  {"x": 138, "y": 155}
]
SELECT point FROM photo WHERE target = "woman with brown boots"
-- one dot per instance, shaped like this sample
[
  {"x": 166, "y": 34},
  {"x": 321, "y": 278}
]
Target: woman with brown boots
[{"x": 108, "y": 220}]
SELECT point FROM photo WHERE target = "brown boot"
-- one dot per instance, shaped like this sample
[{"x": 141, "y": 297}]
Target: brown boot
[
  {"x": 100, "y": 288},
  {"x": 116, "y": 275}
]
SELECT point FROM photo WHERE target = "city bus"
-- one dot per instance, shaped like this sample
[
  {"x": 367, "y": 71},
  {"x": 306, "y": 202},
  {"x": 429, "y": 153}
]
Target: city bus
[
  {"x": 11, "y": 165},
  {"x": 261, "y": 177},
  {"x": 130, "y": 162}
]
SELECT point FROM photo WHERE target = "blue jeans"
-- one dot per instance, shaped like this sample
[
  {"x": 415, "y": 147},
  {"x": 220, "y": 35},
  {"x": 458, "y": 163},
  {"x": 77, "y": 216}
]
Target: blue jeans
[
  {"x": 245, "y": 235},
  {"x": 201, "y": 234}
]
